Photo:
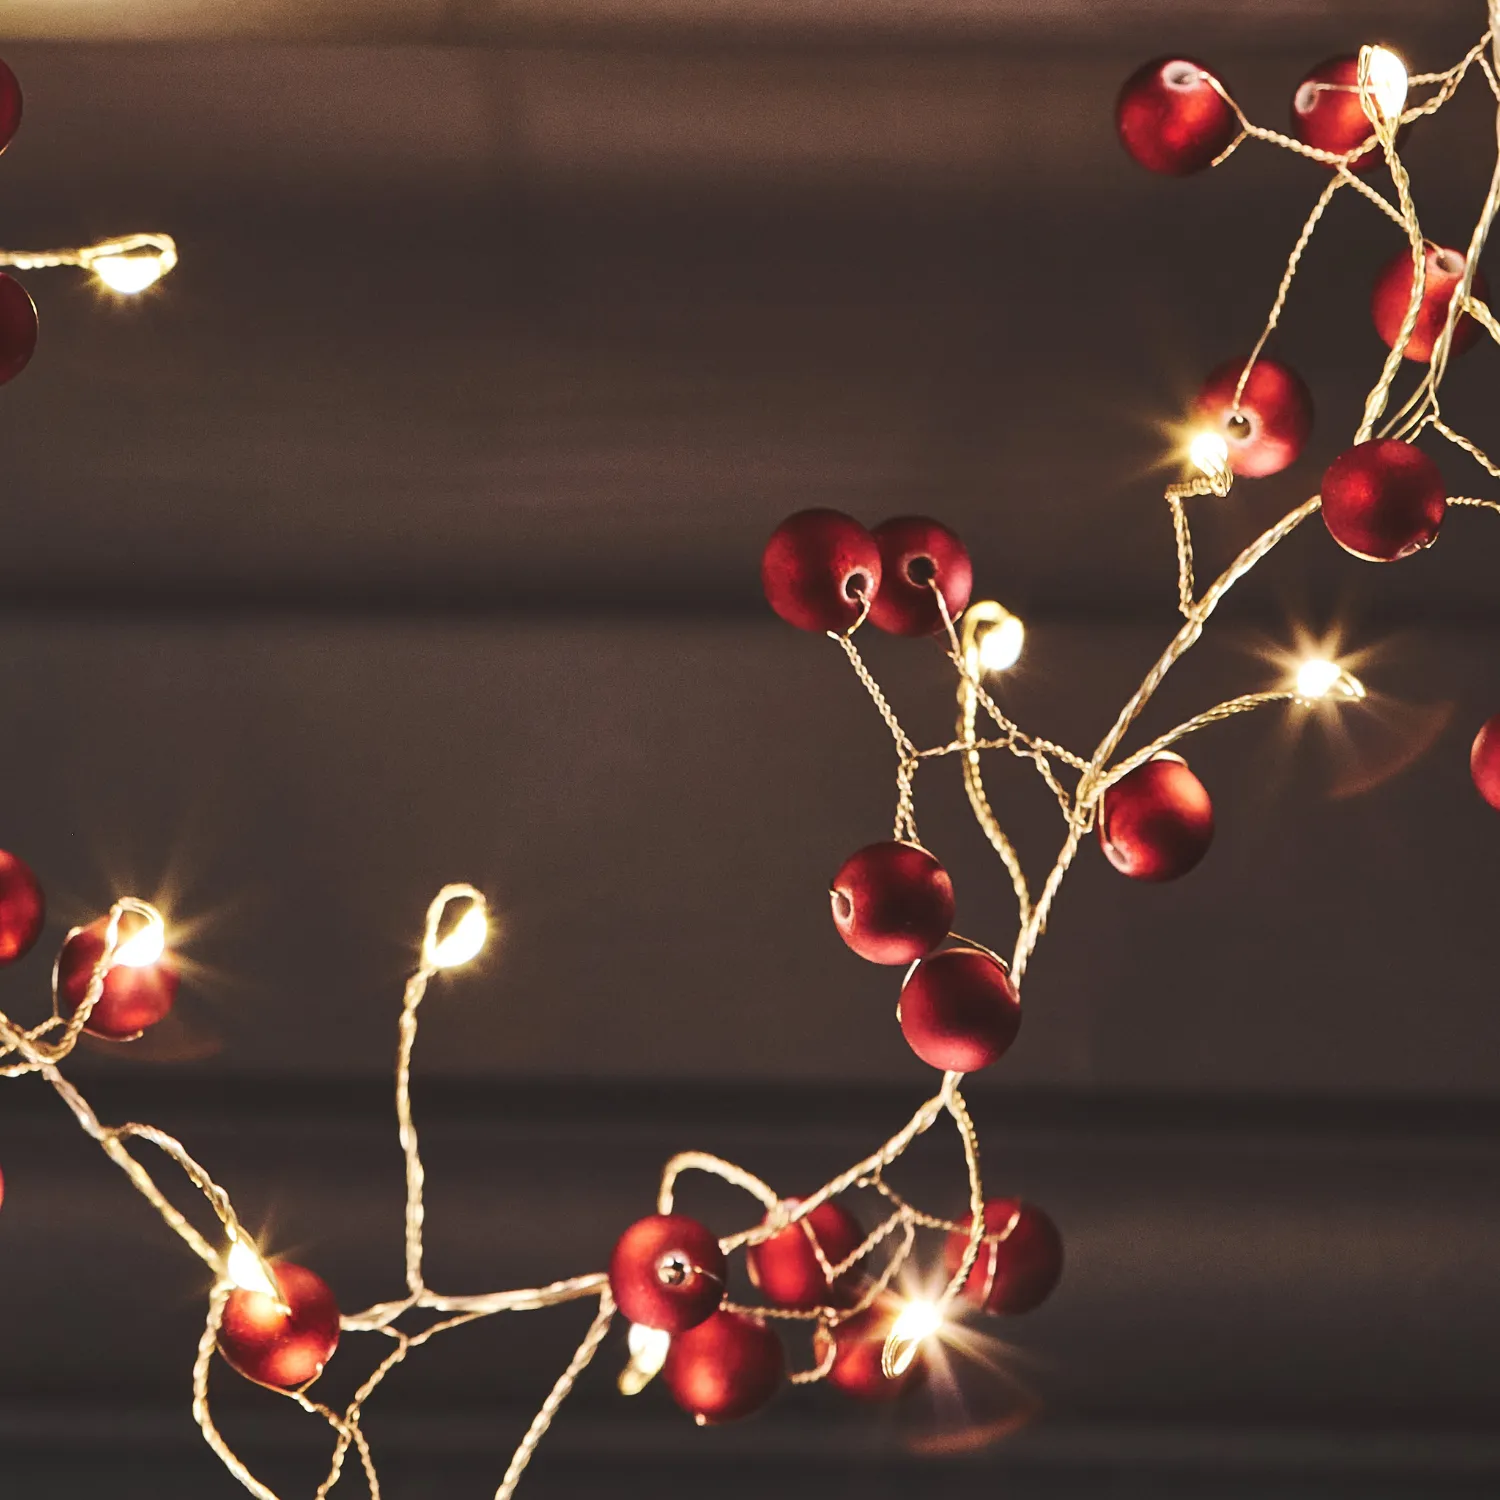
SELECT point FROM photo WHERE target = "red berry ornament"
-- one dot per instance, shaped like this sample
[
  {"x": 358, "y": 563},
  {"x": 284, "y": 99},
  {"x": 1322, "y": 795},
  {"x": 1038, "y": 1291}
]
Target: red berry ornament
[
  {"x": 786, "y": 1268},
  {"x": 1171, "y": 118},
  {"x": 724, "y": 1368},
  {"x": 667, "y": 1272},
  {"x": 959, "y": 1010},
  {"x": 132, "y": 998},
  {"x": 892, "y": 902},
  {"x": 1020, "y": 1260},
  {"x": 858, "y": 1344},
  {"x": 281, "y": 1346},
  {"x": 1326, "y": 112},
  {"x": 1157, "y": 822},
  {"x": 10, "y": 105},
  {"x": 817, "y": 569},
  {"x": 1273, "y": 421},
  {"x": 22, "y": 908},
  {"x": 1392, "y": 295},
  {"x": 17, "y": 328},
  {"x": 1484, "y": 762},
  {"x": 915, "y": 555},
  {"x": 1383, "y": 500}
]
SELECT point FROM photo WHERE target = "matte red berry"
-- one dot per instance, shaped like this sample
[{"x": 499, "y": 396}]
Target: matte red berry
[
  {"x": 916, "y": 553},
  {"x": 817, "y": 568},
  {"x": 1171, "y": 118},
  {"x": 859, "y": 1343},
  {"x": 725, "y": 1368},
  {"x": 23, "y": 908},
  {"x": 1157, "y": 822},
  {"x": 892, "y": 902},
  {"x": 1274, "y": 419},
  {"x": 284, "y": 1347},
  {"x": 1383, "y": 500},
  {"x": 1484, "y": 761},
  {"x": 785, "y": 1268},
  {"x": 1392, "y": 296},
  {"x": 132, "y": 998},
  {"x": 667, "y": 1272},
  {"x": 17, "y": 328},
  {"x": 959, "y": 1010},
  {"x": 1020, "y": 1260},
  {"x": 10, "y": 105},
  {"x": 1326, "y": 112}
]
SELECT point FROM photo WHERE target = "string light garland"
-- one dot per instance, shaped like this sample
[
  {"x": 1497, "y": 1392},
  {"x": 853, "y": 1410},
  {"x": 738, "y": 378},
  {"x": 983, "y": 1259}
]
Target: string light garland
[
  {"x": 811, "y": 1259},
  {"x": 126, "y": 265}
]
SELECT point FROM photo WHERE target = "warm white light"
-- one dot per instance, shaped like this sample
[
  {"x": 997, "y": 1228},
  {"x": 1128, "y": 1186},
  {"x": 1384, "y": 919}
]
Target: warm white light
[
  {"x": 917, "y": 1323},
  {"x": 1319, "y": 678},
  {"x": 464, "y": 941},
  {"x": 1386, "y": 74},
  {"x": 648, "y": 1353},
  {"x": 129, "y": 274},
  {"x": 144, "y": 946},
  {"x": 247, "y": 1271},
  {"x": 1000, "y": 646},
  {"x": 1209, "y": 454}
]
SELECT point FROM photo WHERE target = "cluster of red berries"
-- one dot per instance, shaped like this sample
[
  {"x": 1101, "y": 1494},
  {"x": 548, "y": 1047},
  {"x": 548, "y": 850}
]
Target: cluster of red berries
[
  {"x": 668, "y": 1273},
  {"x": 17, "y": 310},
  {"x": 1384, "y": 499}
]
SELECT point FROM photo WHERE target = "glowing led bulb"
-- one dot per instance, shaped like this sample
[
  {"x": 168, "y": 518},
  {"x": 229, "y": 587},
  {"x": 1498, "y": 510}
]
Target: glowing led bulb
[
  {"x": 145, "y": 945},
  {"x": 1386, "y": 75},
  {"x": 1000, "y": 645},
  {"x": 648, "y": 1353},
  {"x": 993, "y": 637},
  {"x": 1319, "y": 678},
  {"x": 129, "y": 274},
  {"x": 464, "y": 941},
  {"x": 247, "y": 1271},
  {"x": 916, "y": 1323},
  {"x": 1209, "y": 454}
]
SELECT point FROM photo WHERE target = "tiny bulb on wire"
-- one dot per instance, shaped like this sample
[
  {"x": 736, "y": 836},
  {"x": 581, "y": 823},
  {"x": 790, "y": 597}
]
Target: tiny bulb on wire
[
  {"x": 247, "y": 1271},
  {"x": 993, "y": 638},
  {"x": 129, "y": 274},
  {"x": 648, "y": 1353},
  {"x": 1209, "y": 454},
  {"x": 916, "y": 1323},
  {"x": 145, "y": 945},
  {"x": 1387, "y": 79},
  {"x": 464, "y": 942},
  {"x": 1319, "y": 679}
]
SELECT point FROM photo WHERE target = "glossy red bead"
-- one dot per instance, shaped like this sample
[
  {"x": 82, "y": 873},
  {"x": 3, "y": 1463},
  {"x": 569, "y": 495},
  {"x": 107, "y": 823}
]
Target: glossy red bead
[
  {"x": 1326, "y": 112},
  {"x": 1171, "y": 118},
  {"x": 132, "y": 998},
  {"x": 667, "y": 1272},
  {"x": 17, "y": 328},
  {"x": 1157, "y": 822},
  {"x": 23, "y": 908},
  {"x": 892, "y": 902},
  {"x": 1383, "y": 500},
  {"x": 1484, "y": 761},
  {"x": 859, "y": 1343},
  {"x": 1392, "y": 296},
  {"x": 959, "y": 1010},
  {"x": 818, "y": 567},
  {"x": 1274, "y": 419},
  {"x": 725, "y": 1368},
  {"x": 1020, "y": 1260},
  {"x": 284, "y": 1347},
  {"x": 10, "y": 105},
  {"x": 915, "y": 554},
  {"x": 785, "y": 1268}
]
